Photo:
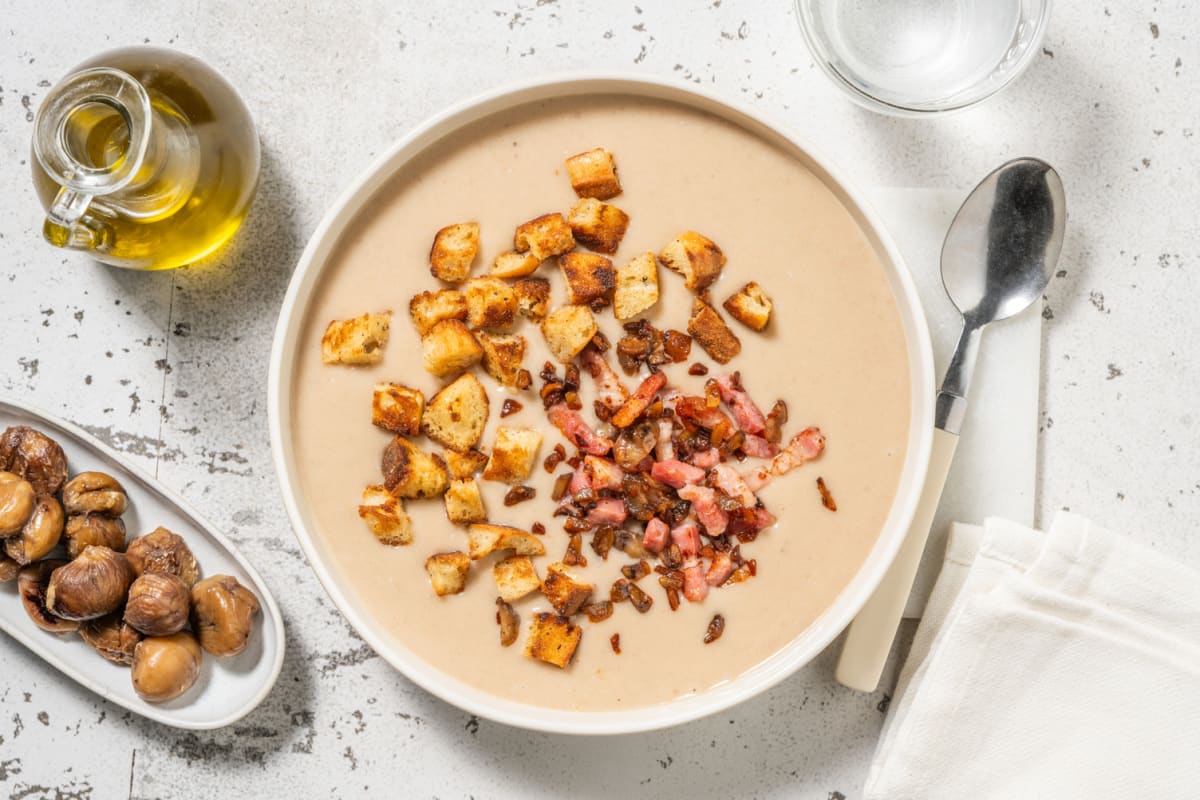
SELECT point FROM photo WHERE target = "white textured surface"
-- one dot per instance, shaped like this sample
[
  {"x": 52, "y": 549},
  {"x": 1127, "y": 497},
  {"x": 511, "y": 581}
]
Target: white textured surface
[{"x": 170, "y": 367}]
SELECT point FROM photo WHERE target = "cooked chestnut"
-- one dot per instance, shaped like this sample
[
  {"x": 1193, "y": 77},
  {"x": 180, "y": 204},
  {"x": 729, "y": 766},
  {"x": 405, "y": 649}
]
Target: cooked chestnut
[
  {"x": 88, "y": 529},
  {"x": 17, "y": 499},
  {"x": 90, "y": 586},
  {"x": 111, "y": 637},
  {"x": 223, "y": 614},
  {"x": 94, "y": 493},
  {"x": 40, "y": 533},
  {"x": 35, "y": 457},
  {"x": 163, "y": 551},
  {"x": 158, "y": 604},
  {"x": 9, "y": 569},
  {"x": 165, "y": 667},
  {"x": 32, "y": 585}
]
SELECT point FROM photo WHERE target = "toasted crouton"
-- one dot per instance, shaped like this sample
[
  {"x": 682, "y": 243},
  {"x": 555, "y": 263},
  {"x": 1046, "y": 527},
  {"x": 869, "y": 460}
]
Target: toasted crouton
[
  {"x": 594, "y": 174},
  {"x": 455, "y": 416},
  {"x": 409, "y": 472},
  {"x": 590, "y": 279},
  {"x": 356, "y": 341},
  {"x": 454, "y": 248},
  {"x": 707, "y": 328},
  {"x": 695, "y": 257},
  {"x": 533, "y": 298},
  {"x": 568, "y": 330},
  {"x": 397, "y": 408},
  {"x": 385, "y": 515},
  {"x": 637, "y": 287},
  {"x": 514, "y": 265},
  {"x": 448, "y": 572},
  {"x": 597, "y": 225},
  {"x": 515, "y": 577},
  {"x": 449, "y": 348},
  {"x": 466, "y": 464},
  {"x": 513, "y": 455},
  {"x": 464, "y": 503},
  {"x": 564, "y": 591},
  {"x": 552, "y": 639},
  {"x": 751, "y": 306},
  {"x": 491, "y": 303},
  {"x": 502, "y": 356},
  {"x": 484, "y": 538},
  {"x": 429, "y": 308},
  {"x": 548, "y": 235}
]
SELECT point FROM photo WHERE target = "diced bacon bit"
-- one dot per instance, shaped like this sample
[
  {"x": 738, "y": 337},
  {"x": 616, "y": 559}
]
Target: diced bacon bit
[
  {"x": 720, "y": 569},
  {"x": 655, "y": 538},
  {"x": 706, "y": 459},
  {"x": 538, "y": 528},
  {"x": 577, "y": 431},
  {"x": 700, "y": 414},
  {"x": 579, "y": 481},
  {"x": 727, "y": 479},
  {"x": 676, "y": 474},
  {"x": 747, "y": 415},
  {"x": 664, "y": 450},
  {"x": 602, "y": 473},
  {"x": 804, "y": 446},
  {"x": 607, "y": 511},
  {"x": 704, "y": 504},
  {"x": 826, "y": 496},
  {"x": 695, "y": 588},
  {"x": 639, "y": 400},
  {"x": 758, "y": 447},
  {"x": 611, "y": 393},
  {"x": 715, "y": 628},
  {"x": 775, "y": 421},
  {"x": 686, "y": 536},
  {"x": 615, "y": 641}
]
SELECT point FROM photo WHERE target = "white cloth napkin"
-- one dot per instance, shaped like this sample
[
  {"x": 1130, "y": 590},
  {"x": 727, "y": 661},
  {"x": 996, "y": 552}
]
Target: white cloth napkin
[{"x": 1056, "y": 665}]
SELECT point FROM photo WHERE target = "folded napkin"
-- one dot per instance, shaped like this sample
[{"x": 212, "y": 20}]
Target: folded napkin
[{"x": 1063, "y": 664}]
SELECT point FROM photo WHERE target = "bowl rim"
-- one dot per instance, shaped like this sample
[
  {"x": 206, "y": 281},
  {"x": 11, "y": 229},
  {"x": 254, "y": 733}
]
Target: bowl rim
[{"x": 827, "y": 626}]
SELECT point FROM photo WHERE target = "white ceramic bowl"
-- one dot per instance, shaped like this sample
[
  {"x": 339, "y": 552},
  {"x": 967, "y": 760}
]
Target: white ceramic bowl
[{"x": 802, "y": 649}]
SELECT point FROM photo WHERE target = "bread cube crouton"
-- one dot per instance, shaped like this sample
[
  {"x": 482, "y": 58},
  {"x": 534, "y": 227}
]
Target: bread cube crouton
[
  {"x": 594, "y": 174},
  {"x": 455, "y": 416},
  {"x": 695, "y": 257},
  {"x": 491, "y": 303},
  {"x": 502, "y": 356},
  {"x": 466, "y": 464},
  {"x": 568, "y": 330},
  {"x": 552, "y": 639},
  {"x": 485, "y": 538},
  {"x": 533, "y": 298},
  {"x": 590, "y": 279},
  {"x": 637, "y": 287},
  {"x": 597, "y": 225},
  {"x": 548, "y": 235},
  {"x": 514, "y": 265},
  {"x": 397, "y": 408},
  {"x": 409, "y": 472},
  {"x": 707, "y": 328},
  {"x": 429, "y": 308},
  {"x": 750, "y": 306},
  {"x": 448, "y": 572},
  {"x": 356, "y": 341},
  {"x": 513, "y": 455},
  {"x": 515, "y": 577},
  {"x": 464, "y": 504},
  {"x": 566, "y": 593},
  {"x": 449, "y": 348},
  {"x": 454, "y": 248},
  {"x": 385, "y": 515}
]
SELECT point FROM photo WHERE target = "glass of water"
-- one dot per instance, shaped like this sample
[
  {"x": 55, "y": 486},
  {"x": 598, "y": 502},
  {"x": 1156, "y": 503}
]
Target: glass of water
[{"x": 922, "y": 57}]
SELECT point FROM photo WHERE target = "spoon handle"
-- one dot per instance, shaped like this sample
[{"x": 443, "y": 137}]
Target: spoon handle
[{"x": 869, "y": 637}]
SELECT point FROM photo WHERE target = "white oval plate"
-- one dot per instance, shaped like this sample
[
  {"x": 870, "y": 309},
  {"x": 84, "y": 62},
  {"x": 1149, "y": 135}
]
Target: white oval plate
[
  {"x": 228, "y": 688},
  {"x": 783, "y": 663}
]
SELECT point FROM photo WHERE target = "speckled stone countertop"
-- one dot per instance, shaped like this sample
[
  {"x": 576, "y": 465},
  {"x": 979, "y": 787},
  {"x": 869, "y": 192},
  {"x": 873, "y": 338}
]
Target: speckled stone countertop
[{"x": 169, "y": 368}]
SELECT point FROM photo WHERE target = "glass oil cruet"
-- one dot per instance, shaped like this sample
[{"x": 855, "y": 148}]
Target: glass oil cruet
[{"x": 145, "y": 158}]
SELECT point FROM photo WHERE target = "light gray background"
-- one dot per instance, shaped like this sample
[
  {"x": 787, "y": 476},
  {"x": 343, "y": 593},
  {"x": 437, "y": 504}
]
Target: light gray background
[{"x": 170, "y": 368}]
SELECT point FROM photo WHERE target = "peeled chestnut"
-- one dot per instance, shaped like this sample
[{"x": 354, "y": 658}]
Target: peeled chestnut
[
  {"x": 90, "y": 586},
  {"x": 17, "y": 499},
  {"x": 223, "y": 614},
  {"x": 32, "y": 585},
  {"x": 40, "y": 533},
  {"x": 94, "y": 493},
  {"x": 88, "y": 529},
  {"x": 111, "y": 637},
  {"x": 163, "y": 551},
  {"x": 35, "y": 457},
  {"x": 165, "y": 667},
  {"x": 158, "y": 604}
]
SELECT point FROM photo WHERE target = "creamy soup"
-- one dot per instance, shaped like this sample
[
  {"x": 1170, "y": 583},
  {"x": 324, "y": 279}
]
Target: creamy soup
[{"x": 835, "y": 351}]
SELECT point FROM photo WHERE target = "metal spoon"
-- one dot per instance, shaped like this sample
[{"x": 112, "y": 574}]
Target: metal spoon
[{"x": 997, "y": 259}]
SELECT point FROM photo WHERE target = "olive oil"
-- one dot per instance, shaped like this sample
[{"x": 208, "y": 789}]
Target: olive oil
[{"x": 144, "y": 157}]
